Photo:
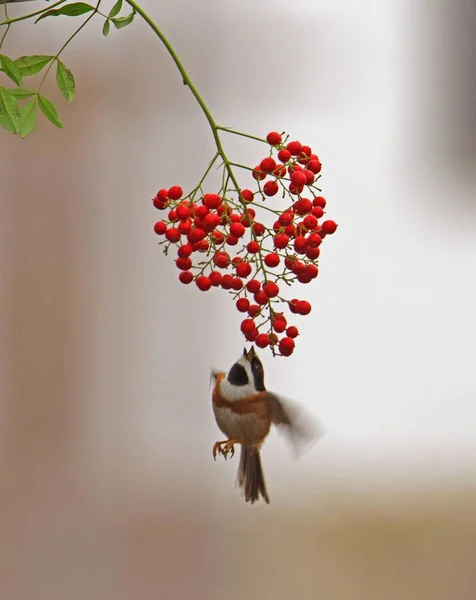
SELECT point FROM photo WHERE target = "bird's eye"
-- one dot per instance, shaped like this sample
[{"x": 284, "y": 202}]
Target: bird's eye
[{"x": 256, "y": 364}]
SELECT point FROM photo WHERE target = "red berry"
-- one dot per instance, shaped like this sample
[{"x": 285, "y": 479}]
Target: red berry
[
  {"x": 286, "y": 346},
  {"x": 185, "y": 251},
  {"x": 314, "y": 240},
  {"x": 251, "y": 336},
  {"x": 298, "y": 178},
  {"x": 285, "y": 218},
  {"x": 312, "y": 252},
  {"x": 231, "y": 240},
  {"x": 293, "y": 306},
  {"x": 183, "y": 212},
  {"x": 173, "y": 235},
  {"x": 203, "y": 283},
  {"x": 212, "y": 200},
  {"x": 329, "y": 227},
  {"x": 201, "y": 246},
  {"x": 243, "y": 304},
  {"x": 175, "y": 192},
  {"x": 215, "y": 278},
  {"x": 258, "y": 229},
  {"x": 317, "y": 212},
  {"x": 294, "y": 147},
  {"x": 237, "y": 230},
  {"x": 247, "y": 326},
  {"x": 271, "y": 259},
  {"x": 261, "y": 298},
  {"x": 161, "y": 200},
  {"x": 289, "y": 261},
  {"x": 295, "y": 189},
  {"x": 248, "y": 220},
  {"x": 314, "y": 166},
  {"x": 227, "y": 282},
  {"x": 173, "y": 215},
  {"x": 309, "y": 176},
  {"x": 281, "y": 240},
  {"x": 218, "y": 237},
  {"x": 292, "y": 331},
  {"x": 290, "y": 230},
  {"x": 196, "y": 235},
  {"x": 284, "y": 155},
  {"x": 305, "y": 154},
  {"x": 271, "y": 188},
  {"x": 236, "y": 284},
  {"x": 298, "y": 267},
  {"x": 300, "y": 244},
  {"x": 303, "y": 206},
  {"x": 186, "y": 277},
  {"x": 252, "y": 247},
  {"x": 258, "y": 173},
  {"x": 312, "y": 270},
  {"x": 304, "y": 277},
  {"x": 310, "y": 222},
  {"x": 243, "y": 269},
  {"x": 222, "y": 260},
  {"x": 280, "y": 171},
  {"x": 267, "y": 165},
  {"x": 254, "y": 309},
  {"x": 247, "y": 195},
  {"x": 262, "y": 340},
  {"x": 201, "y": 212},
  {"x": 160, "y": 228},
  {"x": 184, "y": 227},
  {"x": 273, "y": 138},
  {"x": 184, "y": 264},
  {"x": 211, "y": 221},
  {"x": 279, "y": 326},
  {"x": 303, "y": 307},
  {"x": 319, "y": 201},
  {"x": 253, "y": 286},
  {"x": 271, "y": 289}
]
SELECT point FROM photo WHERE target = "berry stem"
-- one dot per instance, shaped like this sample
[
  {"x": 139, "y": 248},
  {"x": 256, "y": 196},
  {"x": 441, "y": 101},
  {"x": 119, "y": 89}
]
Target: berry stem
[{"x": 206, "y": 111}]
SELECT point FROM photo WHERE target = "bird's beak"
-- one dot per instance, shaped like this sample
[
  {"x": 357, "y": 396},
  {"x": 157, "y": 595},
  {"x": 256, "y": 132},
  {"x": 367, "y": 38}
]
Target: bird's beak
[
  {"x": 251, "y": 354},
  {"x": 213, "y": 376},
  {"x": 245, "y": 352}
]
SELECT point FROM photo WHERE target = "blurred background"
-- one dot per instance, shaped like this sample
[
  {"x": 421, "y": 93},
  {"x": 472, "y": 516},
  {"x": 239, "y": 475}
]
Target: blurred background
[{"x": 109, "y": 490}]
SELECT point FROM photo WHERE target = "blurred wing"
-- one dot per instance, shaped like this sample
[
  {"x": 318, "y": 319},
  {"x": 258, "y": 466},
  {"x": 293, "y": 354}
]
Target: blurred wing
[{"x": 292, "y": 420}]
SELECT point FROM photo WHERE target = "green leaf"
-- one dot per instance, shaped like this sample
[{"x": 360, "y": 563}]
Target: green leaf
[
  {"x": 115, "y": 9},
  {"x": 10, "y": 69},
  {"x": 27, "y": 118},
  {"x": 49, "y": 111},
  {"x": 29, "y": 65},
  {"x": 21, "y": 94},
  {"x": 65, "y": 81},
  {"x": 70, "y": 10},
  {"x": 106, "y": 27},
  {"x": 9, "y": 115},
  {"x": 121, "y": 22}
]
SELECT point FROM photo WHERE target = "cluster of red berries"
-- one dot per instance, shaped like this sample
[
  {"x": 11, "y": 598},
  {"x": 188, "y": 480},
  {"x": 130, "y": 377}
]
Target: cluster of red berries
[{"x": 211, "y": 225}]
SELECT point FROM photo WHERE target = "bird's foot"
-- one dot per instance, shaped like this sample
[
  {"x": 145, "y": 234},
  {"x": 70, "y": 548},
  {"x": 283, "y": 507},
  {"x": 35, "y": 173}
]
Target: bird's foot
[{"x": 225, "y": 448}]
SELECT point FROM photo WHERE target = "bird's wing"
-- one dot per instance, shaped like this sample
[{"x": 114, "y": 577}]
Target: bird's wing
[{"x": 291, "y": 419}]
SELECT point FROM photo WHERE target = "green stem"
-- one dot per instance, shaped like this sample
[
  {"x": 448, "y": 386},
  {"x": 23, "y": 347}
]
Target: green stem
[
  {"x": 211, "y": 121},
  {"x": 55, "y": 58},
  {"x": 33, "y": 14},
  {"x": 246, "y": 135}
]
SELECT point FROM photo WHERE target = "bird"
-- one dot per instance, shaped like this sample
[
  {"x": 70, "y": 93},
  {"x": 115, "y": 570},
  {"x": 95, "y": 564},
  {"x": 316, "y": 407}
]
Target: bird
[{"x": 244, "y": 411}]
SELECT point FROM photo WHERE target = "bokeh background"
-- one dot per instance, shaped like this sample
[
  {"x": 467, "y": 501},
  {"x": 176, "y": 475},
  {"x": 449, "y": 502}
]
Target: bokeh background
[{"x": 108, "y": 489}]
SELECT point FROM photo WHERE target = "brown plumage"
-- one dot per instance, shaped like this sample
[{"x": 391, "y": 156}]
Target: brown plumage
[{"x": 244, "y": 411}]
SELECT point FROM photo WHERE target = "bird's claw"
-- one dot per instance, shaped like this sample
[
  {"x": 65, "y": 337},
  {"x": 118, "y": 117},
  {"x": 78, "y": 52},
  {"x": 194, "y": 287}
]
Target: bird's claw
[{"x": 225, "y": 448}]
